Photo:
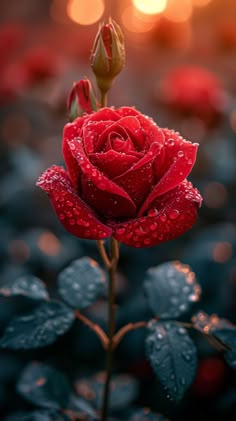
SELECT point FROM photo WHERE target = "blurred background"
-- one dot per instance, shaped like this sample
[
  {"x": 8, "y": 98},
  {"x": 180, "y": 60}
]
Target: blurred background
[{"x": 180, "y": 70}]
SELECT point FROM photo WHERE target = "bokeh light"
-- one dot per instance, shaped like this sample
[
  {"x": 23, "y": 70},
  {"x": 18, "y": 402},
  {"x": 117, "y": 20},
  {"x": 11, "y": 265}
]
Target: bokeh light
[
  {"x": 178, "y": 11},
  {"x": 135, "y": 21},
  {"x": 200, "y": 3},
  {"x": 214, "y": 195},
  {"x": 85, "y": 12},
  {"x": 150, "y": 7},
  {"x": 222, "y": 252},
  {"x": 49, "y": 244}
]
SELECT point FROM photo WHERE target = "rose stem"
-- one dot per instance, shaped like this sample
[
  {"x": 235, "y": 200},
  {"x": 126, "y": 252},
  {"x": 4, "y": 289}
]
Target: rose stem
[
  {"x": 103, "y": 99},
  {"x": 111, "y": 268}
]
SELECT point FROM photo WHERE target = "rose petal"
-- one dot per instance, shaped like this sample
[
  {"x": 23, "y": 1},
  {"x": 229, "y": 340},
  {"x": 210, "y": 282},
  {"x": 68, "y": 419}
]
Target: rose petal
[
  {"x": 127, "y": 111},
  {"x": 93, "y": 175},
  {"x": 91, "y": 134},
  {"x": 169, "y": 217},
  {"x": 113, "y": 163},
  {"x": 73, "y": 213},
  {"x": 71, "y": 130},
  {"x": 109, "y": 205},
  {"x": 152, "y": 132},
  {"x": 173, "y": 166},
  {"x": 104, "y": 139},
  {"x": 106, "y": 113},
  {"x": 138, "y": 180}
]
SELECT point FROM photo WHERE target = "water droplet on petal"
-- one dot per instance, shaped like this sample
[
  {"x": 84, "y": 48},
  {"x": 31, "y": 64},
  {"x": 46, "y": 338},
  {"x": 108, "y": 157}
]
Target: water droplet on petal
[
  {"x": 120, "y": 231},
  {"x": 153, "y": 226},
  {"x": 174, "y": 214},
  {"x": 152, "y": 212},
  {"x": 180, "y": 154}
]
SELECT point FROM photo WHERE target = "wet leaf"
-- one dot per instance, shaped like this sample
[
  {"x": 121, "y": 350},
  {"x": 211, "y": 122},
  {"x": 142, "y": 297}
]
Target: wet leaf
[
  {"x": 171, "y": 288},
  {"x": 228, "y": 336},
  {"x": 173, "y": 357},
  {"x": 40, "y": 328},
  {"x": 82, "y": 407},
  {"x": 123, "y": 391},
  {"x": 44, "y": 386},
  {"x": 28, "y": 286},
  {"x": 81, "y": 282},
  {"x": 210, "y": 325},
  {"x": 145, "y": 414},
  {"x": 206, "y": 323}
]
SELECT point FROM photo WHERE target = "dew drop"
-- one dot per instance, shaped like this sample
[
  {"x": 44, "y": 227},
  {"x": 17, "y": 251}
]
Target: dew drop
[
  {"x": 68, "y": 203},
  {"x": 181, "y": 331},
  {"x": 174, "y": 214},
  {"x": 171, "y": 142},
  {"x": 186, "y": 357},
  {"x": 163, "y": 217},
  {"x": 152, "y": 212},
  {"x": 153, "y": 227},
  {"x": 180, "y": 154},
  {"x": 190, "y": 162},
  {"x": 62, "y": 216},
  {"x": 120, "y": 231}
]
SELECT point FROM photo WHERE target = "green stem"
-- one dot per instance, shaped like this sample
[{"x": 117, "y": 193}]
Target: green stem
[
  {"x": 103, "y": 99},
  {"x": 111, "y": 325}
]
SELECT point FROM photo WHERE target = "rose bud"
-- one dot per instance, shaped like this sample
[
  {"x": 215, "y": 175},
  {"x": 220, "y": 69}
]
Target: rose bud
[
  {"x": 108, "y": 54},
  {"x": 125, "y": 177},
  {"x": 81, "y": 99}
]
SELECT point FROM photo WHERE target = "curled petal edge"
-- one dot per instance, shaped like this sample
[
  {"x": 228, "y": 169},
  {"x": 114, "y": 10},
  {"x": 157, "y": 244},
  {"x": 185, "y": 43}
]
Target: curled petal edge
[{"x": 73, "y": 213}]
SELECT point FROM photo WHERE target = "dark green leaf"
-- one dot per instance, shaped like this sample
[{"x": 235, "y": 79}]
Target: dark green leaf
[
  {"x": 38, "y": 329},
  {"x": 146, "y": 414},
  {"x": 123, "y": 391},
  {"x": 172, "y": 355},
  {"x": 209, "y": 325},
  {"x": 228, "y": 336},
  {"x": 81, "y": 282},
  {"x": 206, "y": 323},
  {"x": 82, "y": 407},
  {"x": 44, "y": 386},
  {"x": 171, "y": 288},
  {"x": 28, "y": 286}
]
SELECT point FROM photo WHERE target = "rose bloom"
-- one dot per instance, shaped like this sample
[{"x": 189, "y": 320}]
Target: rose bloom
[
  {"x": 125, "y": 177},
  {"x": 193, "y": 91}
]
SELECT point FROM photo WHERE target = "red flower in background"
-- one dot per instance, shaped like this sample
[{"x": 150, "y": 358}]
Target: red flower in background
[
  {"x": 192, "y": 90},
  {"x": 125, "y": 177},
  {"x": 40, "y": 64}
]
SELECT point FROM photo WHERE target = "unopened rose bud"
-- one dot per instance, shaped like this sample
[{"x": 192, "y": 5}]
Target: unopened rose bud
[
  {"x": 108, "y": 54},
  {"x": 81, "y": 99}
]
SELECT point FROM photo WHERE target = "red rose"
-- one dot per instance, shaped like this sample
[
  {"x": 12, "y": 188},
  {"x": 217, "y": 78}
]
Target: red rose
[
  {"x": 125, "y": 177},
  {"x": 192, "y": 90}
]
